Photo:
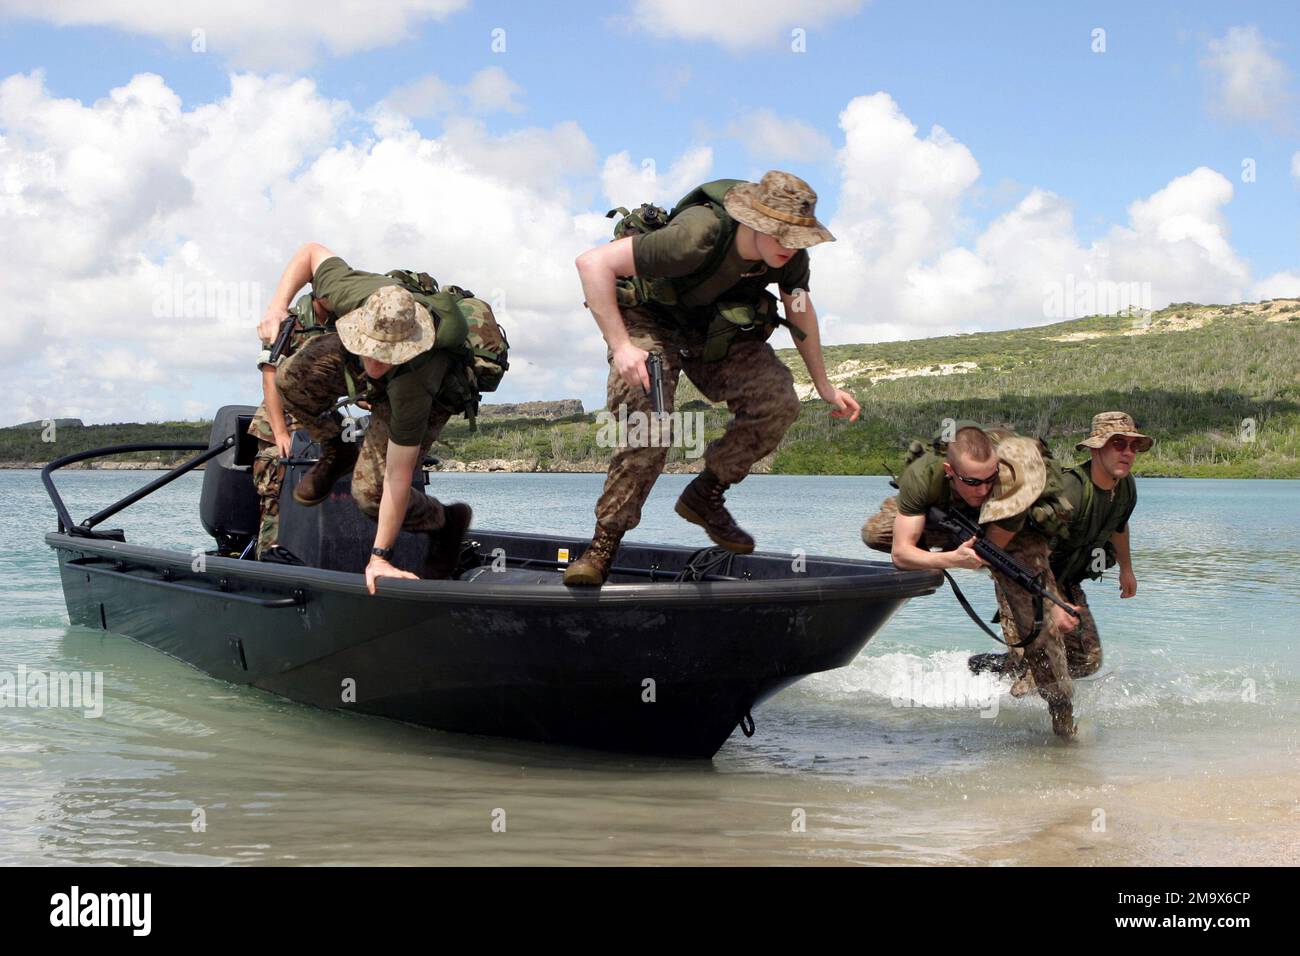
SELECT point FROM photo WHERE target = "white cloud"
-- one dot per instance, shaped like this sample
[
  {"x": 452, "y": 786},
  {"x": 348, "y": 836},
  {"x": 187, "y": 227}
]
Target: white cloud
[
  {"x": 628, "y": 183},
  {"x": 141, "y": 239},
  {"x": 737, "y": 24},
  {"x": 490, "y": 90},
  {"x": 774, "y": 139},
  {"x": 902, "y": 269},
  {"x": 1249, "y": 83},
  {"x": 1280, "y": 285},
  {"x": 250, "y": 33}
]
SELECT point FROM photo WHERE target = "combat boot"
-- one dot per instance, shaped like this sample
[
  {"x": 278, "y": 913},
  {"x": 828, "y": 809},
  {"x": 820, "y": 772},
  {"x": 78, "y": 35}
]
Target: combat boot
[
  {"x": 337, "y": 458},
  {"x": 592, "y": 569},
  {"x": 701, "y": 504},
  {"x": 445, "y": 542}
]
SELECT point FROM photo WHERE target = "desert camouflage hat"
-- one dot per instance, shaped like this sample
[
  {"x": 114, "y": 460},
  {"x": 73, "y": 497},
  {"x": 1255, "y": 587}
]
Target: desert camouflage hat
[
  {"x": 390, "y": 326},
  {"x": 1106, "y": 424},
  {"x": 782, "y": 206},
  {"x": 1022, "y": 476}
]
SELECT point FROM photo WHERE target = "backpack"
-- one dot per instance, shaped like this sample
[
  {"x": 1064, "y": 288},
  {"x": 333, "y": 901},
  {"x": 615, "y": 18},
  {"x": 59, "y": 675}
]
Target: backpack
[{"x": 486, "y": 351}]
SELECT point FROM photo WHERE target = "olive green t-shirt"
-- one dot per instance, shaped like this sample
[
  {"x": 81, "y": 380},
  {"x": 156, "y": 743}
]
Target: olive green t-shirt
[
  {"x": 684, "y": 245},
  {"x": 923, "y": 486},
  {"x": 412, "y": 386},
  {"x": 1105, "y": 504}
]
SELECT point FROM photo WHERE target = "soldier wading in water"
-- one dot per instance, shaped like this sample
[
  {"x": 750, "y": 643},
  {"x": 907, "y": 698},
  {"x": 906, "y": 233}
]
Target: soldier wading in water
[{"x": 692, "y": 287}]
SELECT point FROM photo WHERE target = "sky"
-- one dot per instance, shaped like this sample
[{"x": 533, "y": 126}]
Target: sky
[{"x": 983, "y": 166}]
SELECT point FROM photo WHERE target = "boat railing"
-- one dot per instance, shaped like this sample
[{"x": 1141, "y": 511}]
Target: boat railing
[{"x": 86, "y": 528}]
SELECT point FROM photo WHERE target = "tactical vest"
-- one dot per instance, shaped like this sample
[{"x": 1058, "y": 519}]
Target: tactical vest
[
  {"x": 720, "y": 322},
  {"x": 1074, "y": 543}
]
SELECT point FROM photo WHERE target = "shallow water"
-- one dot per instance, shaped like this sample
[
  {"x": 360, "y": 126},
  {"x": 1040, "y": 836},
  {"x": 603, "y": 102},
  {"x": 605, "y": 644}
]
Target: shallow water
[{"x": 1188, "y": 752}]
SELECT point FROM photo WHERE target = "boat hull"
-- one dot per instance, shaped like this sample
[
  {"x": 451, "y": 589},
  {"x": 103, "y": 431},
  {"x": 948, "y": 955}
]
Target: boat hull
[{"x": 660, "y": 668}]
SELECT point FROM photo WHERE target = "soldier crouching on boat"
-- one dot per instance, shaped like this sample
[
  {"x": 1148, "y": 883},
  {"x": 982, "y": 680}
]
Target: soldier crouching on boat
[
  {"x": 386, "y": 346},
  {"x": 691, "y": 288},
  {"x": 999, "y": 480}
]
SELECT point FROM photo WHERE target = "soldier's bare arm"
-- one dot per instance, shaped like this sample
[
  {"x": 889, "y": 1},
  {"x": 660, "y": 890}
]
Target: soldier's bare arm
[
  {"x": 599, "y": 269},
  {"x": 302, "y": 266},
  {"x": 800, "y": 313},
  {"x": 909, "y": 556},
  {"x": 275, "y": 411},
  {"x": 1128, "y": 582},
  {"x": 399, "y": 466}
]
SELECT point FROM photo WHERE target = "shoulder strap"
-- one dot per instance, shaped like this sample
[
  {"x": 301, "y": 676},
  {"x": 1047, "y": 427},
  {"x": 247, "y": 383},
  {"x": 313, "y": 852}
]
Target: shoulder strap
[{"x": 710, "y": 194}]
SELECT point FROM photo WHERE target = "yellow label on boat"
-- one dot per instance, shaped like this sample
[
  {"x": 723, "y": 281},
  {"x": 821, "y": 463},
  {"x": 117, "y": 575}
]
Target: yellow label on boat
[{"x": 562, "y": 555}]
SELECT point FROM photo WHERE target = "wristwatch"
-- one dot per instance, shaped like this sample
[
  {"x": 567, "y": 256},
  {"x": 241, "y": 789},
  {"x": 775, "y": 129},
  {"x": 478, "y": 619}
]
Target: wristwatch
[{"x": 385, "y": 553}]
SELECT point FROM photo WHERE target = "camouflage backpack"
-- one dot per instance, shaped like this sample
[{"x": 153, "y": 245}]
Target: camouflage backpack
[{"x": 486, "y": 343}]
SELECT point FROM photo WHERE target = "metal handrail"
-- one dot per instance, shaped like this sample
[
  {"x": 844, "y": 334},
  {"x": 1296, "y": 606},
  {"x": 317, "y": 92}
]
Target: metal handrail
[{"x": 68, "y": 526}]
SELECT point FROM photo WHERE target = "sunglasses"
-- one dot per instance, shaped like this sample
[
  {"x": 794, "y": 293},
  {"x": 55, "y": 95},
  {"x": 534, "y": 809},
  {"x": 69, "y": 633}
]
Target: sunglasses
[
  {"x": 1120, "y": 443},
  {"x": 976, "y": 482}
]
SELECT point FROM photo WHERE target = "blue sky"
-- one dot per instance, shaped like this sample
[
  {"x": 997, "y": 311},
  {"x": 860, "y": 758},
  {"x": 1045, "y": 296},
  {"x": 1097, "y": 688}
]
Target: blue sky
[{"x": 1016, "y": 84}]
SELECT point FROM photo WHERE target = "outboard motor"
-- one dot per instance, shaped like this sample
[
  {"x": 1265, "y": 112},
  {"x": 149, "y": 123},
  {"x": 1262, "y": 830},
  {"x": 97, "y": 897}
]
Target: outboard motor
[{"x": 229, "y": 506}]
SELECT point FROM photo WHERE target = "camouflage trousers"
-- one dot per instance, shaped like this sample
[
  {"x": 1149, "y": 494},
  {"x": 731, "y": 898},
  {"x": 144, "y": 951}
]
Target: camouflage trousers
[
  {"x": 1054, "y": 658},
  {"x": 878, "y": 530},
  {"x": 268, "y": 477},
  {"x": 758, "y": 390},
  {"x": 310, "y": 382}
]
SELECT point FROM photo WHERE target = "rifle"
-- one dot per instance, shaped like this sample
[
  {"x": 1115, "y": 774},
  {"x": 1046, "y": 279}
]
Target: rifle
[
  {"x": 962, "y": 527},
  {"x": 654, "y": 364}
]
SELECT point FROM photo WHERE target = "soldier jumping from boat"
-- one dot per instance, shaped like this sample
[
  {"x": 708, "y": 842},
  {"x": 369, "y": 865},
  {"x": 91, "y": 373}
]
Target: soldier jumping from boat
[{"x": 691, "y": 288}]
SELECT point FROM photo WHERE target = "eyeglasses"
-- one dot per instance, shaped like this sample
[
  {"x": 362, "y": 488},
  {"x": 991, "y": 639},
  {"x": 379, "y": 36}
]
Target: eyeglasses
[
  {"x": 976, "y": 482},
  {"x": 1120, "y": 443}
]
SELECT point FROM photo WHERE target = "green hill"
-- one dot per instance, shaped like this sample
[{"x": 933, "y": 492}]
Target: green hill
[{"x": 1217, "y": 386}]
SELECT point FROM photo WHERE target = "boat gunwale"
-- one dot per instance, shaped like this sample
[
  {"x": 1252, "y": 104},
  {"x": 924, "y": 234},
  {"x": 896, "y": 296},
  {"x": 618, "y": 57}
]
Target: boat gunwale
[{"x": 882, "y": 583}]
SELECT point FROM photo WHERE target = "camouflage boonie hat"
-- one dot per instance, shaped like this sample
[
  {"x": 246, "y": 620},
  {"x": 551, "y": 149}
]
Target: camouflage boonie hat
[
  {"x": 1022, "y": 476},
  {"x": 1106, "y": 424},
  {"x": 782, "y": 206},
  {"x": 390, "y": 326}
]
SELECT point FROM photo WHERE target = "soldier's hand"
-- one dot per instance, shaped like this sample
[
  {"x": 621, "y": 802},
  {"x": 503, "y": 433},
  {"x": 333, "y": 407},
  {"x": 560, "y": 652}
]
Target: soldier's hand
[
  {"x": 283, "y": 444},
  {"x": 629, "y": 362},
  {"x": 269, "y": 327},
  {"x": 1128, "y": 584},
  {"x": 966, "y": 557},
  {"x": 379, "y": 568},
  {"x": 846, "y": 406},
  {"x": 1064, "y": 621}
]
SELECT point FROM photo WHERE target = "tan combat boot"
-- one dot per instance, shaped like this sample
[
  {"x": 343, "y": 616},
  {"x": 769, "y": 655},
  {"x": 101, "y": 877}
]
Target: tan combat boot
[
  {"x": 337, "y": 458},
  {"x": 592, "y": 569},
  {"x": 701, "y": 504}
]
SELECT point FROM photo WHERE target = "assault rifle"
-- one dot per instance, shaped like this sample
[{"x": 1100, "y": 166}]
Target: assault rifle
[{"x": 963, "y": 528}]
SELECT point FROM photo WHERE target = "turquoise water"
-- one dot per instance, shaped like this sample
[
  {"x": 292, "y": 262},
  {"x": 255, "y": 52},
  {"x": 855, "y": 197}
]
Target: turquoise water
[{"x": 899, "y": 757}]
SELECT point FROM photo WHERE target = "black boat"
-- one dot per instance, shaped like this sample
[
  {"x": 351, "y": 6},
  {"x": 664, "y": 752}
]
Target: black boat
[{"x": 668, "y": 658}]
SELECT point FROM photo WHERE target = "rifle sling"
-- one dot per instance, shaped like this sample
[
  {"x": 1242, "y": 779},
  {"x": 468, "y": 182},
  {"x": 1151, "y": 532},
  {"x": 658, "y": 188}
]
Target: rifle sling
[{"x": 970, "y": 611}]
